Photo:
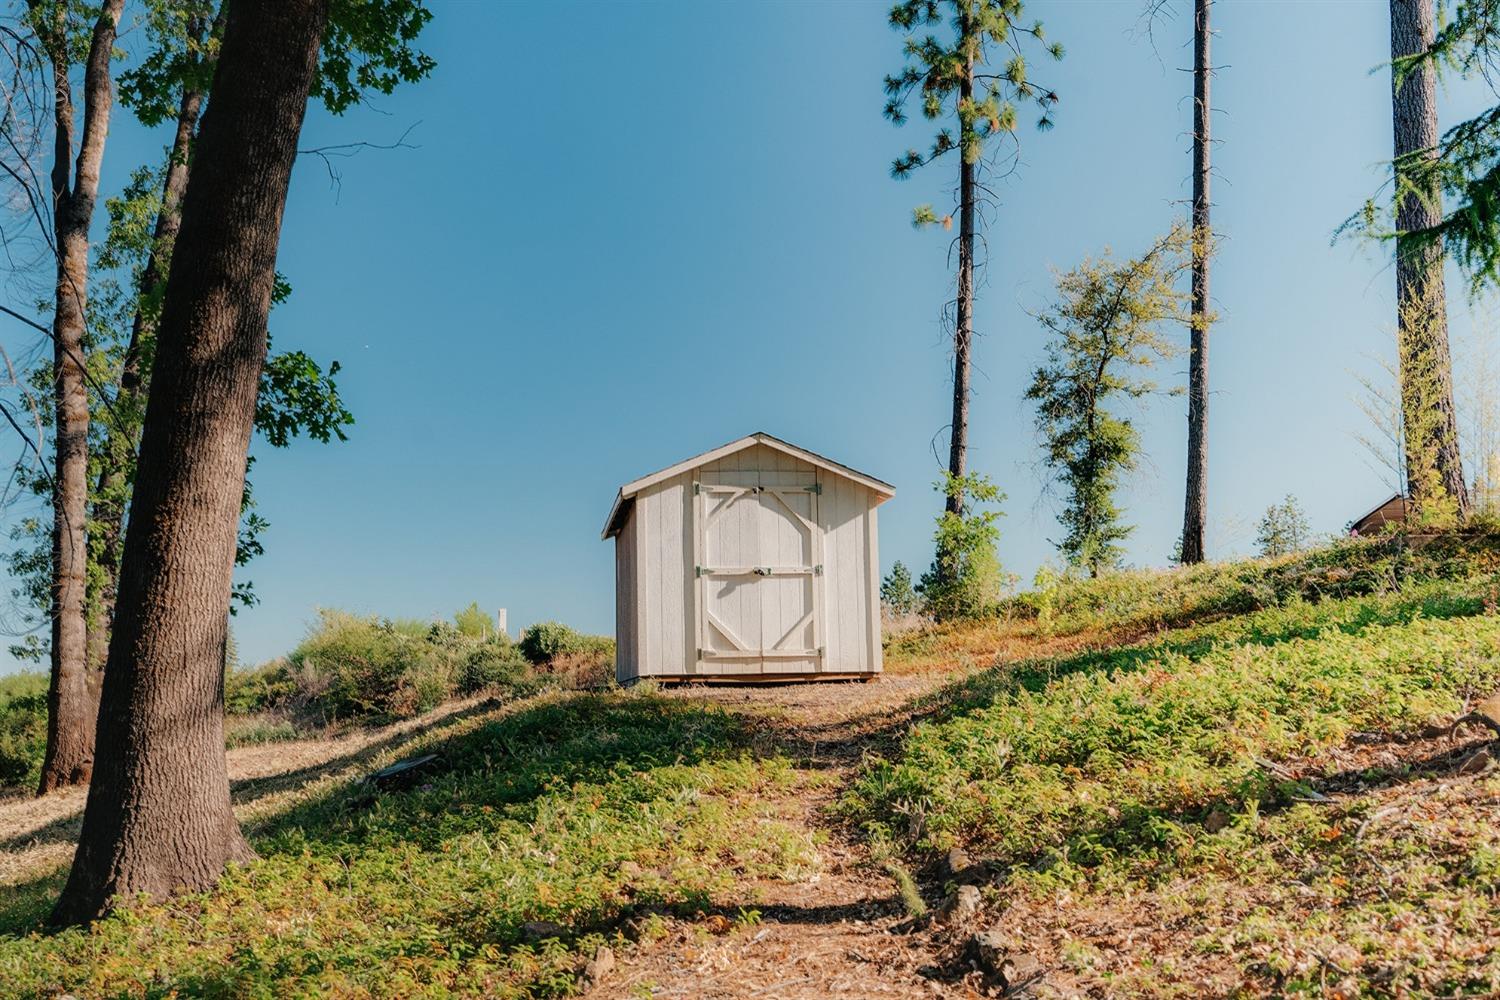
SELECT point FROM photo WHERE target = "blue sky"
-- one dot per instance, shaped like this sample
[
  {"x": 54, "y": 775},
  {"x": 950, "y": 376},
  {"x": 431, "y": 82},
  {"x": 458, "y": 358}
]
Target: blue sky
[{"x": 631, "y": 232}]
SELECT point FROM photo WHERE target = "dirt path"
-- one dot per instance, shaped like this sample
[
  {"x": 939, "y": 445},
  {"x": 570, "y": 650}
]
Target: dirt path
[{"x": 842, "y": 932}]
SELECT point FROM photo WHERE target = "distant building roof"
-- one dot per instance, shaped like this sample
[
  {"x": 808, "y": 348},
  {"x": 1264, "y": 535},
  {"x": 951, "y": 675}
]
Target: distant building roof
[{"x": 1391, "y": 510}]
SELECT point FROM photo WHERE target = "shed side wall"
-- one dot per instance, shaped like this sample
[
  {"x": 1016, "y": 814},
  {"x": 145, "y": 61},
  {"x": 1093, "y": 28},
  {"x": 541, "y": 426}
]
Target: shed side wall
[
  {"x": 851, "y": 615},
  {"x": 627, "y": 663},
  {"x": 665, "y": 552}
]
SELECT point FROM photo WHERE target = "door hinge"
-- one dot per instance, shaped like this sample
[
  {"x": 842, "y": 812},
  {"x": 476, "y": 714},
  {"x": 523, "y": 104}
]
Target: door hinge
[
  {"x": 818, "y": 570},
  {"x": 697, "y": 487},
  {"x": 697, "y": 570},
  {"x": 815, "y": 488}
]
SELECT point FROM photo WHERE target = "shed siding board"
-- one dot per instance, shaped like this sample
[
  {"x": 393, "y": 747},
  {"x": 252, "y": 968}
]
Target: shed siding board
[
  {"x": 627, "y": 663},
  {"x": 671, "y": 580},
  {"x": 833, "y": 572},
  {"x": 850, "y": 530},
  {"x": 644, "y": 664},
  {"x": 787, "y": 544},
  {"x": 872, "y": 588},
  {"x": 645, "y": 653}
]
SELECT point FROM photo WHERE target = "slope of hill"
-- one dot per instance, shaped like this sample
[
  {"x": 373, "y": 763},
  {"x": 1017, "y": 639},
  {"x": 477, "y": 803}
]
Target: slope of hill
[{"x": 1228, "y": 780}]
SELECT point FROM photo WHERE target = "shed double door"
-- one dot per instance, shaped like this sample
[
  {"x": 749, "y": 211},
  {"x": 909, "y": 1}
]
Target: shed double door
[{"x": 759, "y": 556}]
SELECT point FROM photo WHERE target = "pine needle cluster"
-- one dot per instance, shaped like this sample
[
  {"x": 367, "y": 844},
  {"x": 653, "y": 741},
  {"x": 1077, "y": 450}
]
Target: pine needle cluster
[{"x": 953, "y": 78}]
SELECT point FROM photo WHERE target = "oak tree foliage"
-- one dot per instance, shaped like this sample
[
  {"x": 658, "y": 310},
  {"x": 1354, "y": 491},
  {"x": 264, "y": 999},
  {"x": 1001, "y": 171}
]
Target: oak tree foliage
[{"x": 1106, "y": 334}]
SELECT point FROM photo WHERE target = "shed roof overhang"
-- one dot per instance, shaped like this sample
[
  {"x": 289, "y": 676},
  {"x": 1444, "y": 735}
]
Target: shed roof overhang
[{"x": 625, "y": 498}]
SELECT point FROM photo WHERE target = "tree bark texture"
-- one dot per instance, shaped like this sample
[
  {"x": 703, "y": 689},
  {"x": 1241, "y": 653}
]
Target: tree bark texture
[
  {"x": 158, "y": 817},
  {"x": 963, "y": 318},
  {"x": 1195, "y": 506},
  {"x": 121, "y": 443},
  {"x": 1426, "y": 367},
  {"x": 73, "y": 692}
]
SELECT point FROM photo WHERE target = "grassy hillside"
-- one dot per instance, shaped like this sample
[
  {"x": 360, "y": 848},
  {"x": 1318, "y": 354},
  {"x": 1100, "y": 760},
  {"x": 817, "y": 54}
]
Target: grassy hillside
[
  {"x": 1228, "y": 774},
  {"x": 1230, "y": 780},
  {"x": 566, "y": 815}
]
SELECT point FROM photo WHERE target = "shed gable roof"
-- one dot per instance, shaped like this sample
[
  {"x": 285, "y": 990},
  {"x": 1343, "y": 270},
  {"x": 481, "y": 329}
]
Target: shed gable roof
[{"x": 882, "y": 490}]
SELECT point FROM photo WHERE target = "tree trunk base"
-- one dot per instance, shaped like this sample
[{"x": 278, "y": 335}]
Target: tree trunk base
[
  {"x": 84, "y": 900},
  {"x": 69, "y": 776}
]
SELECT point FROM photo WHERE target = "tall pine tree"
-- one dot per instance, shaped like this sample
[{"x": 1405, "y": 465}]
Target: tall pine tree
[
  {"x": 1195, "y": 505},
  {"x": 971, "y": 80},
  {"x": 1434, "y": 476}
]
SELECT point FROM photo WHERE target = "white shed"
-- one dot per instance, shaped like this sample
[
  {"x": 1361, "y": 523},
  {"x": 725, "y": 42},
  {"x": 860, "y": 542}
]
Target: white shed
[{"x": 754, "y": 561}]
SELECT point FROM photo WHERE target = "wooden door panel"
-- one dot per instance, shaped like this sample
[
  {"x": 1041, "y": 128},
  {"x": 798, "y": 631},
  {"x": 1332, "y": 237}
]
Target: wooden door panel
[
  {"x": 759, "y": 549},
  {"x": 731, "y": 627},
  {"x": 789, "y": 537}
]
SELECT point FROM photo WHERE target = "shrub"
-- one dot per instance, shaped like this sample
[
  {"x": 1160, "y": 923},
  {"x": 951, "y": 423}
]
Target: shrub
[
  {"x": 258, "y": 729},
  {"x": 546, "y": 641},
  {"x": 269, "y": 685},
  {"x": 375, "y": 666},
  {"x": 23, "y": 729},
  {"x": 475, "y": 622},
  {"x": 495, "y": 664},
  {"x": 966, "y": 577},
  {"x": 1283, "y": 529},
  {"x": 896, "y": 591},
  {"x": 353, "y": 666}
]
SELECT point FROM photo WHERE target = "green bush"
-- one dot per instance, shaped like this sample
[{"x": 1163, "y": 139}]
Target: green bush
[
  {"x": 547, "y": 641},
  {"x": 256, "y": 730},
  {"x": 475, "y": 622},
  {"x": 495, "y": 664},
  {"x": 352, "y": 666},
  {"x": 367, "y": 666},
  {"x": 257, "y": 689},
  {"x": 966, "y": 578},
  {"x": 23, "y": 729},
  {"x": 896, "y": 592}
]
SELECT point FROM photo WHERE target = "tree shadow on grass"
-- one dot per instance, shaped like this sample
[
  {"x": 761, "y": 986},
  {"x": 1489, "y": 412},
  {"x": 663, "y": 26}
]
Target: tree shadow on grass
[
  {"x": 518, "y": 757},
  {"x": 247, "y": 791},
  {"x": 24, "y": 906},
  {"x": 490, "y": 773}
]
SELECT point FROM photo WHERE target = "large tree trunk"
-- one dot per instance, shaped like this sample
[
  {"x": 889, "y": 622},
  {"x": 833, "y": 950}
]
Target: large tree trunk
[
  {"x": 120, "y": 445},
  {"x": 158, "y": 818},
  {"x": 73, "y": 694},
  {"x": 1195, "y": 508},
  {"x": 963, "y": 319},
  {"x": 1434, "y": 470}
]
